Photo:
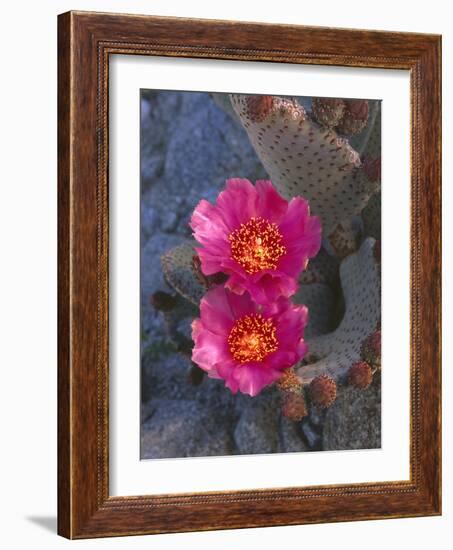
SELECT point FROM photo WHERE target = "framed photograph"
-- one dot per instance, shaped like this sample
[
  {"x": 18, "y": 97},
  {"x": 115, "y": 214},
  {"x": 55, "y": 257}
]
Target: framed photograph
[{"x": 249, "y": 275}]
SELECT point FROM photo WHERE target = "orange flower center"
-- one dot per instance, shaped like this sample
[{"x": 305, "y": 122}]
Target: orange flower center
[
  {"x": 252, "y": 338},
  {"x": 257, "y": 245}
]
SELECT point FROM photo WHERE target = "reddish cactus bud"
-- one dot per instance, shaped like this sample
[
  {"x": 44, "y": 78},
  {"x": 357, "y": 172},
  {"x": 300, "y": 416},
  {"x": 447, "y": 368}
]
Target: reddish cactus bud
[
  {"x": 293, "y": 406},
  {"x": 259, "y": 106},
  {"x": 344, "y": 239},
  {"x": 162, "y": 301},
  {"x": 371, "y": 349},
  {"x": 355, "y": 117},
  {"x": 328, "y": 111},
  {"x": 289, "y": 381},
  {"x": 358, "y": 108},
  {"x": 323, "y": 391},
  {"x": 360, "y": 375},
  {"x": 372, "y": 168}
]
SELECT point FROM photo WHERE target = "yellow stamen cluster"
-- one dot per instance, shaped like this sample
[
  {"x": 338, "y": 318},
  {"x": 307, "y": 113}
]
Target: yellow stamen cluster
[
  {"x": 257, "y": 245},
  {"x": 252, "y": 338}
]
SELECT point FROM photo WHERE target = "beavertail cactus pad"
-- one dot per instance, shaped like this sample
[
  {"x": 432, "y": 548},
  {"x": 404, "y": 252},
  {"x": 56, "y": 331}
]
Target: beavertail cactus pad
[
  {"x": 336, "y": 352},
  {"x": 304, "y": 158}
]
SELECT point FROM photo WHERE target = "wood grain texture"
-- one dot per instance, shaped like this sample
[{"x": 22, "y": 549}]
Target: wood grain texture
[{"x": 85, "y": 42}]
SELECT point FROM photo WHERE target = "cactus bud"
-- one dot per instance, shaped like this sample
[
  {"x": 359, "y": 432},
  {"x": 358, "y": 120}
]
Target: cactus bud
[
  {"x": 372, "y": 168},
  {"x": 323, "y": 391},
  {"x": 360, "y": 375},
  {"x": 355, "y": 117},
  {"x": 328, "y": 111},
  {"x": 293, "y": 406},
  {"x": 162, "y": 301},
  {"x": 344, "y": 239},
  {"x": 259, "y": 106},
  {"x": 289, "y": 381},
  {"x": 371, "y": 349}
]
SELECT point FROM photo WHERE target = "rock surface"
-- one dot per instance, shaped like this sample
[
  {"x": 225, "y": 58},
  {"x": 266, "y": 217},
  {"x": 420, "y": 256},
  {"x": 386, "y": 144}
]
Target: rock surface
[
  {"x": 165, "y": 433},
  {"x": 354, "y": 420},
  {"x": 291, "y": 439},
  {"x": 257, "y": 428}
]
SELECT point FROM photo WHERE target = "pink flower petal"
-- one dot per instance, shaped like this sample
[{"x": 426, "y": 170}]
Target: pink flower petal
[
  {"x": 209, "y": 348},
  {"x": 241, "y": 304},
  {"x": 207, "y": 221},
  {"x": 238, "y": 204},
  {"x": 300, "y": 230},
  {"x": 252, "y": 378},
  {"x": 226, "y": 371},
  {"x": 209, "y": 263},
  {"x": 267, "y": 287},
  {"x": 270, "y": 205},
  {"x": 220, "y": 310},
  {"x": 216, "y": 311}
]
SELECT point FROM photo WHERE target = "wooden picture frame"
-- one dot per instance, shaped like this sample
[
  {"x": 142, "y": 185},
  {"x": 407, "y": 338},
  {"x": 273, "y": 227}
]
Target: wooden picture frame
[{"x": 85, "y": 42}]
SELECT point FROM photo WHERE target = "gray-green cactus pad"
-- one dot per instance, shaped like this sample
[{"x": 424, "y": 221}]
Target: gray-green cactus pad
[
  {"x": 305, "y": 159},
  {"x": 336, "y": 352},
  {"x": 178, "y": 272}
]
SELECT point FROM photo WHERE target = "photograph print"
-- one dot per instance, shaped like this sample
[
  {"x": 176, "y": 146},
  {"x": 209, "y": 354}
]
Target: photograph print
[{"x": 260, "y": 274}]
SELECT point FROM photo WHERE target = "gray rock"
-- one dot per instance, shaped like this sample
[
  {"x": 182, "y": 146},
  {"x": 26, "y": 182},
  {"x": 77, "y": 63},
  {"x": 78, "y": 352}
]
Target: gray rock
[
  {"x": 187, "y": 156},
  {"x": 163, "y": 377},
  {"x": 257, "y": 429},
  {"x": 185, "y": 327},
  {"x": 168, "y": 377},
  {"x": 207, "y": 147},
  {"x": 312, "y": 436},
  {"x": 169, "y": 221},
  {"x": 151, "y": 168},
  {"x": 159, "y": 113},
  {"x": 149, "y": 220},
  {"x": 152, "y": 280},
  {"x": 316, "y": 416},
  {"x": 354, "y": 420},
  {"x": 290, "y": 437},
  {"x": 183, "y": 428}
]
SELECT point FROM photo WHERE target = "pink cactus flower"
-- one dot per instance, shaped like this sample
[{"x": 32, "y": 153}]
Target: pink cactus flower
[
  {"x": 247, "y": 345},
  {"x": 260, "y": 240}
]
